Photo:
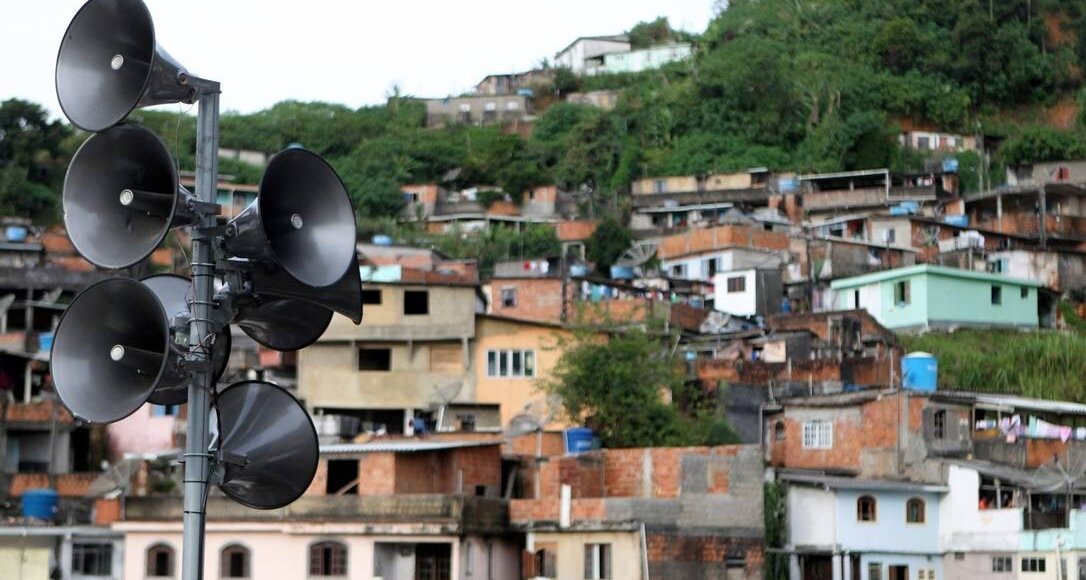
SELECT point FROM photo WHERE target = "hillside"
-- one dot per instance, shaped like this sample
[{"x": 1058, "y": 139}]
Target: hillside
[
  {"x": 1043, "y": 364},
  {"x": 795, "y": 85}
]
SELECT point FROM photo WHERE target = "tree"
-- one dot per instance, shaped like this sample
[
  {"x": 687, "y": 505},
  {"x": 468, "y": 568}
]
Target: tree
[
  {"x": 607, "y": 244},
  {"x": 618, "y": 387}
]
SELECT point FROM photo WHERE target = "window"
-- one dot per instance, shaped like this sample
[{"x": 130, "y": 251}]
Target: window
[
  {"x": 374, "y": 359},
  {"x": 923, "y": 143},
  {"x": 737, "y": 284},
  {"x": 597, "y": 561},
  {"x": 678, "y": 271},
  {"x": 512, "y": 105},
  {"x": 416, "y": 302},
  {"x": 659, "y": 186},
  {"x": 510, "y": 363},
  {"x": 92, "y": 559},
  {"x": 865, "y": 509},
  {"x": 1033, "y": 564},
  {"x": 1024, "y": 292},
  {"x": 709, "y": 266},
  {"x": 855, "y": 298},
  {"x": 469, "y": 558},
  {"x": 165, "y": 410},
  {"x": 817, "y": 435},
  {"x": 914, "y": 511},
  {"x": 545, "y": 563},
  {"x": 328, "y": 559},
  {"x": 874, "y": 571},
  {"x": 997, "y": 295},
  {"x": 160, "y": 561},
  {"x": 234, "y": 562},
  {"x": 778, "y": 431},
  {"x": 509, "y": 297},
  {"x": 371, "y": 297},
  {"x": 939, "y": 424},
  {"x": 901, "y": 293}
]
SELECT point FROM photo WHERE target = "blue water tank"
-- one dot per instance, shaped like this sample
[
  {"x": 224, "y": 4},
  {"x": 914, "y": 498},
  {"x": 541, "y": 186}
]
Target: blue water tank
[
  {"x": 962, "y": 221},
  {"x": 45, "y": 341},
  {"x": 40, "y": 503},
  {"x": 382, "y": 240},
  {"x": 919, "y": 371},
  {"x": 578, "y": 270},
  {"x": 622, "y": 273},
  {"x": 15, "y": 233},
  {"x": 579, "y": 440}
]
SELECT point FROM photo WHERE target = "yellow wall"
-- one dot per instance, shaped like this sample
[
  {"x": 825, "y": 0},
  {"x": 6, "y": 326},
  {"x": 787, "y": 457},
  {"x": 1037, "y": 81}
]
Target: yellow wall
[
  {"x": 452, "y": 314},
  {"x": 514, "y": 393},
  {"x": 420, "y": 374},
  {"x": 625, "y": 551},
  {"x": 29, "y": 563}
]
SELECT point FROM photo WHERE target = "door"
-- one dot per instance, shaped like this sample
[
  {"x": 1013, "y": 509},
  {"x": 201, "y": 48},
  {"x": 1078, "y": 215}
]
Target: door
[
  {"x": 817, "y": 568},
  {"x": 899, "y": 573},
  {"x": 433, "y": 561}
]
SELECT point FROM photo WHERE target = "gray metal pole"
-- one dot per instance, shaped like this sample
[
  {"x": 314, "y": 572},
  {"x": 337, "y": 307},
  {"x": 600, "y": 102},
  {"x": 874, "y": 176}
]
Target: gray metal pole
[{"x": 197, "y": 459}]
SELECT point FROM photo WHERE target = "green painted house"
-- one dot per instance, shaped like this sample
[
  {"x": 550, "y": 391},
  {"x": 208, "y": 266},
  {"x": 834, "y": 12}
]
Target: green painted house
[{"x": 927, "y": 296}]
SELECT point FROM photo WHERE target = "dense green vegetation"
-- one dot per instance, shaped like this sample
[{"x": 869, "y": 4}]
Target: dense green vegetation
[
  {"x": 793, "y": 85},
  {"x": 615, "y": 386},
  {"x": 1044, "y": 364}
]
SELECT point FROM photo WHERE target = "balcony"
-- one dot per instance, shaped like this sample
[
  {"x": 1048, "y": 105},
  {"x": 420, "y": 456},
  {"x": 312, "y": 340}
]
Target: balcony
[{"x": 463, "y": 513}]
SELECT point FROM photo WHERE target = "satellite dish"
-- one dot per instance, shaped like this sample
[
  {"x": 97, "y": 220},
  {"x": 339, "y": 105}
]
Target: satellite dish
[
  {"x": 268, "y": 445},
  {"x": 523, "y": 424},
  {"x": 110, "y": 63},
  {"x": 173, "y": 292},
  {"x": 111, "y": 350},
  {"x": 640, "y": 252},
  {"x": 121, "y": 196},
  {"x": 302, "y": 220}
]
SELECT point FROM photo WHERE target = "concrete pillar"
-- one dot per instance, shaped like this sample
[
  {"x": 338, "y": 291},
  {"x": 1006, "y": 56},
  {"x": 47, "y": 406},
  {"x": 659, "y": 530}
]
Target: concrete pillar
[
  {"x": 794, "y": 570},
  {"x": 838, "y": 568}
]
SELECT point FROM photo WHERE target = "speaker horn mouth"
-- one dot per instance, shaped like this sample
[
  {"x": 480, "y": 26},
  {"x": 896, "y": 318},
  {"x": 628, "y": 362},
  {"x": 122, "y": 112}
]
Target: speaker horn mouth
[
  {"x": 111, "y": 350},
  {"x": 121, "y": 196}
]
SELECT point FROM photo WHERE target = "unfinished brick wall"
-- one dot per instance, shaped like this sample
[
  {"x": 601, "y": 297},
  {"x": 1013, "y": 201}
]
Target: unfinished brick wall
[
  {"x": 676, "y": 555},
  {"x": 706, "y": 239},
  {"x": 67, "y": 484},
  {"x": 480, "y": 466},
  {"x": 575, "y": 230},
  {"x": 536, "y": 298},
  {"x": 377, "y": 474}
]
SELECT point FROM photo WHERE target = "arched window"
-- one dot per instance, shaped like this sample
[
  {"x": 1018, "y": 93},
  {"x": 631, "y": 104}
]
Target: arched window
[
  {"x": 234, "y": 562},
  {"x": 328, "y": 559},
  {"x": 160, "y": 561},
  {"x": 778, "y": 431},
  {"x": 914, "y": 511},
  {"x": 865, "y": 509}
]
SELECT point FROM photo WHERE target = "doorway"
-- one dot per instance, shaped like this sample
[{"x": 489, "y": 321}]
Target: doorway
[
  {"x": 342, "y": 477},
  {"x": 899, "y": 573},
  {"x": 817, "y": 568},
  {"x": 433, "y": 561}
]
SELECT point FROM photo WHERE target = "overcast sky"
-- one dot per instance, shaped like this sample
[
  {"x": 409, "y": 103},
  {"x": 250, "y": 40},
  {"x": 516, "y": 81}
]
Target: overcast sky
[{"x": 351, "y": 52}]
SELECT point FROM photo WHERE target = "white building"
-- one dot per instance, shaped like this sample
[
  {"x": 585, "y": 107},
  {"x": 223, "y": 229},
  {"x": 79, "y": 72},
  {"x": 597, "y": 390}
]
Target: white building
[
  {"x": 587, "y": 52},
  {"x": 705, "y": 265},
  {"x": 752, "y": 292}
]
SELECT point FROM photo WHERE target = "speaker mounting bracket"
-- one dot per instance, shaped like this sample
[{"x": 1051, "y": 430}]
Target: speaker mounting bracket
[
  {"x": 211, "y": 232},
  {"x": 204, "y": 208}
]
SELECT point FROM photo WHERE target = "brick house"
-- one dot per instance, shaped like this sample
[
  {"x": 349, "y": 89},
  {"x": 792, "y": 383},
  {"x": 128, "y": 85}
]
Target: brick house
[{"x": 691, "y": 512}]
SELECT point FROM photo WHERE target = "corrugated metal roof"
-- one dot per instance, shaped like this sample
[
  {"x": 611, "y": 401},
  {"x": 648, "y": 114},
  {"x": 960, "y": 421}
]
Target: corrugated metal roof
[
  {"x": 1014, "y": 402},
  {"x": 836, "y": 482},
  {"x": 402, "y": 446}
]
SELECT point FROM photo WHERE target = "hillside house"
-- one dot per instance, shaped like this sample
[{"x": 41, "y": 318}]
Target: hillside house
[{"x": 926, "y": 296}]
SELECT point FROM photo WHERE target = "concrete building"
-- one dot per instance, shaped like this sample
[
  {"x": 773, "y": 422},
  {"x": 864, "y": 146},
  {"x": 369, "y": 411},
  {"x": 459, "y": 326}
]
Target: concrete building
[
  {"x": 926, "y": 296},
  {"x": 478, "y": 110},
  {"x": 707, "y": 264},
  {"x": 514, "y": 83},
  {"x": 644, "y": 59},
  {"x": 749, "y": 292},
  {"x": 393, "y": 510},
  {"x": 585, "y": 54},
  {"x": 645, "y": 513},
  {"x": 413, "y": 355},
  {"x": 841, "y": 527},
  {"x": 937, "y": 141}
]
